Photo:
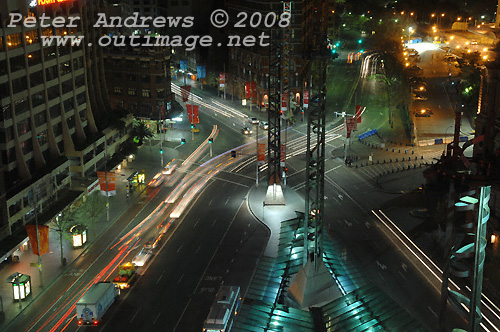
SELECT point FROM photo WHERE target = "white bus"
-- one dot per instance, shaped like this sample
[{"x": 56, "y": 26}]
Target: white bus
[{"x": 223, "y": 310}]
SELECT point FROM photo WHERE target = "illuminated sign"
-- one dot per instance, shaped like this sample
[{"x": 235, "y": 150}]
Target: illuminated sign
[{"x": 50, "y": 2}]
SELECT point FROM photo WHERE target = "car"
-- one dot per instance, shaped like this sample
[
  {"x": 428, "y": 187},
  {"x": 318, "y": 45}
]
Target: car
[
  {"x": 416, "y": 69},
  {"x": 170, "y": 168},
  {"x": 156, "y": 180},
  {"x": 419, "y": 87},
  {"x": 253, "y": 120},
  {"x": 246, "y": 131},
  {"x": 142, "y": 257},
  {"x": 418, "y": 96},
  {"x": 264, "y": 125},
  {"x": 474, "y": 42},
  {"x": 152, "y": 243},
  {"x": 424, "y": 112}
]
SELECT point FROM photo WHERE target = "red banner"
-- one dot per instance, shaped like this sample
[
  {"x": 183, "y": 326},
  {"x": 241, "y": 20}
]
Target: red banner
[
  {"x": 351, "y": 125},
  {"x": 185, "y": 92},
  {"x": 43, "y": 236},
  {"x": 282, "y": 154},
  {"x": 261, "y": 153},
  {"x": 222, "y": 80},
  {"x": 359, "y": 109},
  {"x": 248, "y": 90},
  {"x": 196, "y": 119},
  {"x": 254, "y": 89},
  {"x": 190, "y": 112},
  {"x": 284, "y": 102},
  {"x": 111, "y": 179},
  {"x": 306, "y": 99}
]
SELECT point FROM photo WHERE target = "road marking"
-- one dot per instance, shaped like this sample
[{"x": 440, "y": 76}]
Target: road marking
[
  {"x": 248, "y": 225},
  {"x": 382, "y": 266},
  {"x": 402, "y": 275},
  {"x": 180, "y": 279},
  {"x": 215, "y": 220},
  {"x": 179, "y": 249},
  {"x": 161, "y": 276},
  {"x": 158, "y": 316},
  {"x": 197, "y": 249},
  {"x": 245, "y": 233},
  {"x": 381, "y": 276},
  {"x": 227, "y": 200},
  {"x": 134, "y": 315},
  {"x": 196, "y": 223},
  {"x": 432, "y": 311},
  {"x": 210, "y": 203},
  {"x": 232, "y": 260}
]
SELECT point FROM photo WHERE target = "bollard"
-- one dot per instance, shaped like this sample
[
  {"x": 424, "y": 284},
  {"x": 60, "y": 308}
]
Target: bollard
[
  {"x": 415, "y": 157},
  {"x": 396, "y": 159},
  {"x": 384, "y": 161},
  {"x": 378, "y": 162},
  {"x": 399, "y": 151},
  {"x": 408, "y": 166},
  {"x": 421, "y": 157},
  {"x": 413, "y": 152},
  {"x": 392, "y": 150},
  {"x": 392, "y": 170}
]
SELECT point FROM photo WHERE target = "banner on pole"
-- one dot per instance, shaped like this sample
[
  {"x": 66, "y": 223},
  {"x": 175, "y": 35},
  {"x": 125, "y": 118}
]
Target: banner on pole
[
  {"x": 196, "y": 119},
  {"x": 183, "y": 65},
  {"x": 248, "y": 90},
  {"x": 43, "y": 236},
  {"x": 282, "y": 155},
  {"x": 284, "y": 102},
  {"x": 261, "y": 153},
  {"x": 111, "y": 183},
  {"x": 359, "y": 110},
  {"x": 222, "y": 80},
  {"x": 185, "y": 92},
  {"x": 189, "y": 108},
  {"x": 306, "y": 99}
]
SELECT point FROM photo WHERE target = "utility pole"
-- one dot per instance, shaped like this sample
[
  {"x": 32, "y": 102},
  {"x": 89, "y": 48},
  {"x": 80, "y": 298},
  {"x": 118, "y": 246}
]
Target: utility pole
[
  {"x": 161, "y": 133},
  {"x": 257, "y": 160}
]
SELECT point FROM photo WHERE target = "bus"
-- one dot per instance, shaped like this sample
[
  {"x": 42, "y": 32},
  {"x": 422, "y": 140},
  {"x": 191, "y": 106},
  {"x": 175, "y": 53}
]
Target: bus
[{"x": 223, "y": 310}]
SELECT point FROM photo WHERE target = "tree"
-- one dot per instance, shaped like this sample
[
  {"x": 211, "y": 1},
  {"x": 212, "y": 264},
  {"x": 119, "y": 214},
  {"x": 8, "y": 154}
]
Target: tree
[
  {"x": 62, "y": 224},
  {"x": 90, "y": 210},
  {"x": 141, "y": 131}
]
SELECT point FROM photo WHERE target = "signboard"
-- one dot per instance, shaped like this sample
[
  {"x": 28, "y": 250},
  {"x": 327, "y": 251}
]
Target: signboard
[
  {"x": 306, "y": 98},
  {"x": 248, "y": 90},
  {"x": 284, "y": 102},
  {"x": 50, "y": 2},
  {"x": 261, "y": 153},
  {"x": 222, "y": 80}
]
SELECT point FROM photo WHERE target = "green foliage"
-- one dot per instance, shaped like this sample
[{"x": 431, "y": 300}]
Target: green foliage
[
  {"x": 88, "y": 213},
  {"x": 62, "y": 224},
  {"x": 141, "y": 131}
]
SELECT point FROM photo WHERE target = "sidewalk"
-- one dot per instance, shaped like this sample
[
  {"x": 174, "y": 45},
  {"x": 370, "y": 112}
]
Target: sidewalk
[{"x": 147, "y": 159}]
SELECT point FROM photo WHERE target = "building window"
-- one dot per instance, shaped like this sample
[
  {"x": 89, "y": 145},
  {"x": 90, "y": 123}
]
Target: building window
[
  {"x": 23, "y": 126},
  {"x": 160, "y": 93},
  {"x": 144, "y": 64},
  {"x": 14, "y": 41},
  {"x": 131, "y": 91},
  {"x": 146, "y": 78},
  {"x": 146, "y": 93},
  {"x": 117, "y": 90}
]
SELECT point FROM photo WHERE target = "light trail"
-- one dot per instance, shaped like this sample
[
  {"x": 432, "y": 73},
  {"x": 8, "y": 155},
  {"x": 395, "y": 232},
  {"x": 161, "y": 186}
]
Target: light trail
[{"x": 439, "y": 278}]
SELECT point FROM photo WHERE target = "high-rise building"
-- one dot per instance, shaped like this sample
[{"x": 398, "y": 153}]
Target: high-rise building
[{"x": 53, "y": 110}]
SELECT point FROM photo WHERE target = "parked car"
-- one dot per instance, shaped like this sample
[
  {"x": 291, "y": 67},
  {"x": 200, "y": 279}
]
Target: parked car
[
  {"x": 246, "y": 131},
  {"x": 424, "y": 112},
  {"x": 264, "y": 125},
  {"x": 253, "y": 120},
  {"x": 418, "y": 96}
]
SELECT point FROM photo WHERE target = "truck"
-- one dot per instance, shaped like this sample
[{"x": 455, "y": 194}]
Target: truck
[
  {"x": 126, "y": 273},
  {"x": 95, "y": 302}
]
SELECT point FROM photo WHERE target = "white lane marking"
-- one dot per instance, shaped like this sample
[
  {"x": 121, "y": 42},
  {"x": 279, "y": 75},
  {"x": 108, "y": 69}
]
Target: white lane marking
[
  {"x": 158, "y": 316},
  {"x": 210, "y": 203},
  {"x": 215, "y": 220},
  {"x": 432, "y": 311},
  {"x": 180, "y": 279},
  {"x": 161, "y": 276},
  {"x": 227, "y": 200},
  {"x": 134, "y": 315},
  {"x": 179, "y": 249},
  {"x": 196, "y": 223}
]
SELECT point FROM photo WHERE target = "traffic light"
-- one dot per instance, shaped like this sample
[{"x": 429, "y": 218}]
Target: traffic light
[
  {"x": 193, "y": 126},
  {"x": 233, "y": 154},
  {"x": 183, "y": 141},
  {"x": 360, "y": 41},
  {"x": 210, "y": 140},
  {"x": 161, "y": 151}
]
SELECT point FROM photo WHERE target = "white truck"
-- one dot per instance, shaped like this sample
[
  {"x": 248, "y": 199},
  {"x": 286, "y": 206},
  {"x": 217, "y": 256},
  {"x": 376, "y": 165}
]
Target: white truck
[{"x": 95, "y": 302}]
